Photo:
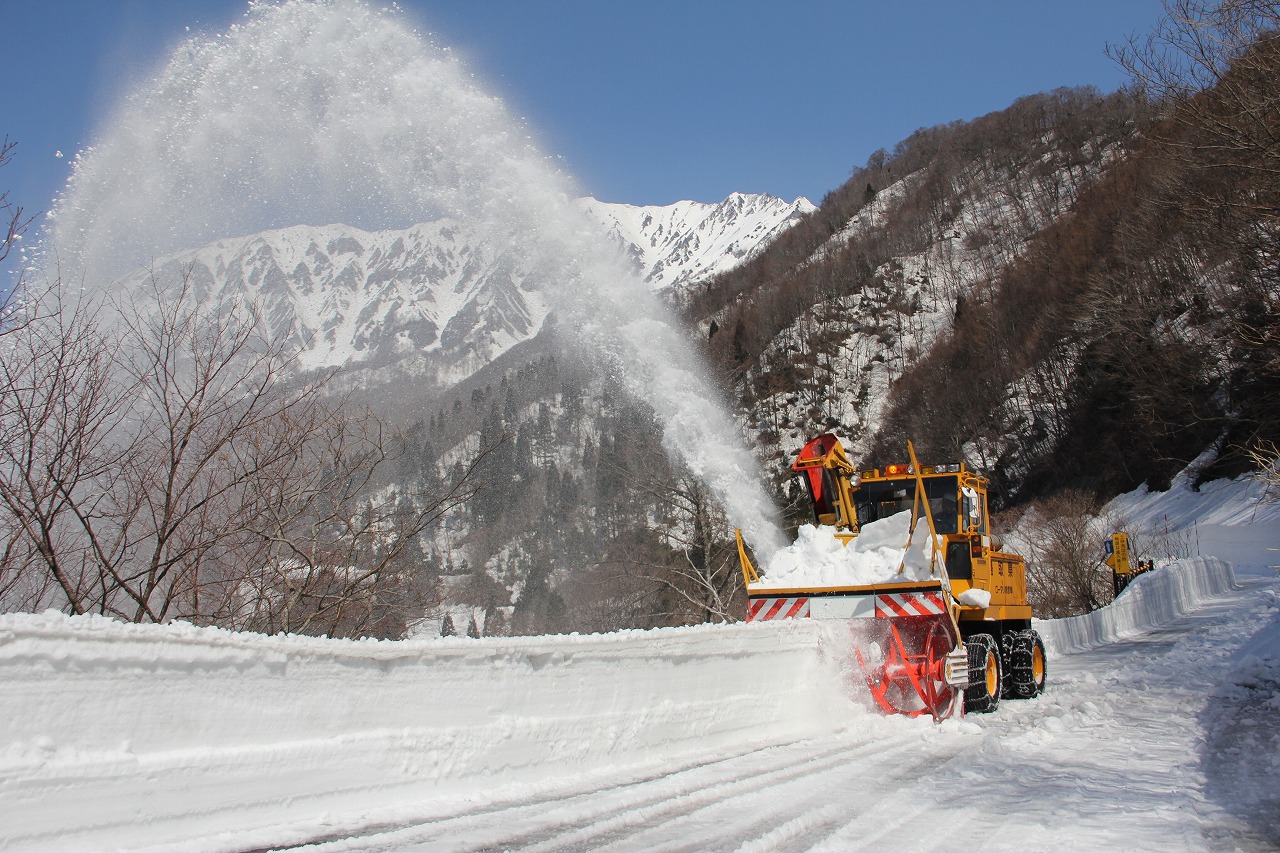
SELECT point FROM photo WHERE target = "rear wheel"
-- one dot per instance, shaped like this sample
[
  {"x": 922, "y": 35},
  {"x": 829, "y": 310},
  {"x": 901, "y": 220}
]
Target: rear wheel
[
  {"x": 983, "y": 693},
  {"x": 1006, "y": 655},
  {"x": 1027, "y": 668}
]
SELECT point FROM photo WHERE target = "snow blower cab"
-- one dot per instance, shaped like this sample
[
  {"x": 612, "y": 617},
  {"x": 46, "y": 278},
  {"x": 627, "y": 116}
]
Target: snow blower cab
[{"x": 945, "y": 614}]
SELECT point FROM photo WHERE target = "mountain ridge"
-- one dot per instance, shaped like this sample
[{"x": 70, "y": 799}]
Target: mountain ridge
[
  {"x": 678, "y": 244},
  {"x": 432, "y": 300}
]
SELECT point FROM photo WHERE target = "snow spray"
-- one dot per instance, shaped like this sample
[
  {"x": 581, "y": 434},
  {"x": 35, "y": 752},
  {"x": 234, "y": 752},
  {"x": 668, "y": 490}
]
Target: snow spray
[{"x": 323, "y": 112}]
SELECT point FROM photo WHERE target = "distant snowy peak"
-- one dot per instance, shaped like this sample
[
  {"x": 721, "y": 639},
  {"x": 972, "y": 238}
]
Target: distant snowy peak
[
  {"x": 676, "y": 244},
  {"x": 429, "y": 298},
  {"x": 435, "y": 300}
]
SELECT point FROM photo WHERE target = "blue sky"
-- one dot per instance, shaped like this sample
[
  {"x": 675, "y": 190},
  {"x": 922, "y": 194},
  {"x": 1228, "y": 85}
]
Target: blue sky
[{"x": 645, "y": 103}]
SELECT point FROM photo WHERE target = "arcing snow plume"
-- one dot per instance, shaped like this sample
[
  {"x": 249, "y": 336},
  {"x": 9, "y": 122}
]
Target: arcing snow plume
[
  {"x": 304, "y": 113},
  {"x": 322, "y": 112}
]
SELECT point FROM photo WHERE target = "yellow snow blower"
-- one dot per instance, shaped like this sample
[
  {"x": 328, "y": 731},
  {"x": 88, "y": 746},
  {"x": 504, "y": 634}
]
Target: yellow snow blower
[{"x": 951, "y": 619}]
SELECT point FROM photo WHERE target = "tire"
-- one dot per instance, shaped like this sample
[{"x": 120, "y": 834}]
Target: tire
[
  {"x": 983, "y": 693},
  {"x": 1006, "y": 673},
  {"x": 1027, "y": 667}
]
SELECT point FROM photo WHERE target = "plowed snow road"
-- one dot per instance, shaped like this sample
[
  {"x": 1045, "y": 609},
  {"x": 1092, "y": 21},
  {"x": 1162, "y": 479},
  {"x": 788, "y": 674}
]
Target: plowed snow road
[
  {"x": 1119, "y": 753},
  {"x": 1160, "y": 731}
]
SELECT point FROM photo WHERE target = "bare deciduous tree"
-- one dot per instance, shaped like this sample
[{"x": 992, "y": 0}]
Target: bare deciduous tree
[
  {"x": 13, "y": 223},
  {"x": 332, "y": 552},
  {"x": 1202, "y": 45},
  {"x": 12, "y": 219},
  {"x": 203, "y": 383},
  {"x": 1065, "y": 575},
  {"x": 164, "y": 469},
  {"x": 699, "y": 568},
  {"x": 1267, "y": 457},
  {"x": 59, "y": 409}
]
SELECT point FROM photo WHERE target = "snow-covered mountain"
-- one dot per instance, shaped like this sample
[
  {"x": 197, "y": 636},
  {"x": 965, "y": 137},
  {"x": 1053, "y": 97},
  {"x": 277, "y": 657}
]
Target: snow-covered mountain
[
  {"x": 685, "y": 242},
  {"x": 434, "y": 301},
  {"x": 426, "y": 298}
]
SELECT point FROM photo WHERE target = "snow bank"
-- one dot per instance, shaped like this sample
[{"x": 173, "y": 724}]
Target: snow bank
[
  {"x": 101, "y": 717},
  {"x": 817, "y": 558},
  {"x": 1236, "y": 520},
  {"x": 1241, "y": 740},
  {"x": 1151, "y": 600}
]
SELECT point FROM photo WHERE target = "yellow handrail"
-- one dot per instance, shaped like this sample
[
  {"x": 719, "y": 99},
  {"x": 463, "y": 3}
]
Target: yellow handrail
[
  {"x": 749, "y": 574},
  {"x": 953, "y": 607},
  {"x": 921, "y": 495}
]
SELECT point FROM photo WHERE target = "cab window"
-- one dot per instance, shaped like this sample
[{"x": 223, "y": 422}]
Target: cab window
[
  {"x": 881, "y": 499},
  {"x": 974, "y": 509}
]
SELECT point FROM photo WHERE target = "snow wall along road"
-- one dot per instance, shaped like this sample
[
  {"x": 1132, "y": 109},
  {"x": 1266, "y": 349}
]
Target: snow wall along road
[
  {"x": 119, "y": 721},
  {"x": 1151, "y": 600},
  {"x": 167, "y": 733}
]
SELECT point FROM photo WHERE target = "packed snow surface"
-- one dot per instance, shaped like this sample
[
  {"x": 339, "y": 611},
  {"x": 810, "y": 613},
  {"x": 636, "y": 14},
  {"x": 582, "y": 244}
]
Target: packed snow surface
[
  {"x": 1160, "y": 730},
  {"x": 877, "y": 555}
]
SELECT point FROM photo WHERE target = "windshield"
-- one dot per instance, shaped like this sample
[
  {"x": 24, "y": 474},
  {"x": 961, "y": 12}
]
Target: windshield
[{"x": 883, "y": 498}]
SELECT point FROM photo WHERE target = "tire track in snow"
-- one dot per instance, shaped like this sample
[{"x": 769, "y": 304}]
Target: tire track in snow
[
  {"x": 785, "y": 813},
  {"x": 616, "y": 816},
  {"x": 728, "y": 811},
  {"x": 357, "y": 836},
  {"x": 1105, "y": 754}
]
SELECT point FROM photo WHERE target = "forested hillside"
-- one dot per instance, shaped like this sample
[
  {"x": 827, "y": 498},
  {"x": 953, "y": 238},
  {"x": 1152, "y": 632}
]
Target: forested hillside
[
  {"x": 579, "y": 521},
  {"x": 1076, "y": 295},
  {"x": 1135, "y": 331},
  {"x": 1076, "y": 292},
  {"x": 840, "y": 312},
  {"x": 582, "y": 518}
]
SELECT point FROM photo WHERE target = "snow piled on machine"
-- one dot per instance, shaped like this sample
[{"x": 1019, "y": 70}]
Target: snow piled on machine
[{"x": 819, "y": 559}]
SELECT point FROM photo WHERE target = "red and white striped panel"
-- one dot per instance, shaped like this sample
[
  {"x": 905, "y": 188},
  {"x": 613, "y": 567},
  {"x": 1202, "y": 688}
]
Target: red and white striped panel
[
  {"x": 910, "y": 604},
  {"x": 762, "y": 609}
]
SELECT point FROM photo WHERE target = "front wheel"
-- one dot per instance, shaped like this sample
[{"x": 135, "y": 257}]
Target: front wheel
[{"x": 983, "y": 693}]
